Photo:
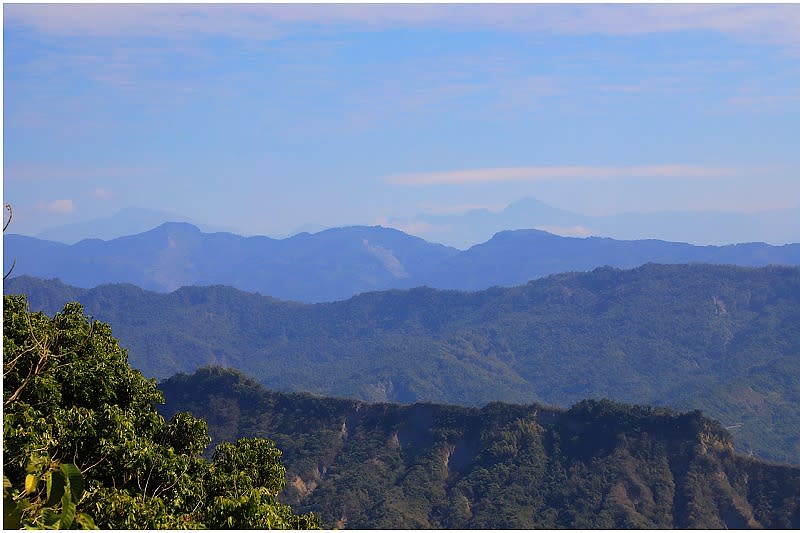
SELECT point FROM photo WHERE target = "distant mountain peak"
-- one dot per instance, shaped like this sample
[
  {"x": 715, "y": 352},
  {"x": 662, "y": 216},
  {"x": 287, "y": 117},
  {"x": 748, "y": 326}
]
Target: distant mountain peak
[
  {"x": 779, "y": 226},
  {"x": 125, "y": 222},
  {"x": 529, "y": 203},
  {"x": 524, "y": 234},
  {"x": 178, "y": 226}
]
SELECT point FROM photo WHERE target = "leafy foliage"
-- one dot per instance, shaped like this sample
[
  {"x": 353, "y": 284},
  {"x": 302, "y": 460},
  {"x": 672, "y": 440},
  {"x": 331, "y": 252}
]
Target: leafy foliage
[
  {"x": 82, "y": 438},
  {"x": 599, "y": 464},
  {"x": 718, "y": 338},
  {"x": 49, "y": 499}
]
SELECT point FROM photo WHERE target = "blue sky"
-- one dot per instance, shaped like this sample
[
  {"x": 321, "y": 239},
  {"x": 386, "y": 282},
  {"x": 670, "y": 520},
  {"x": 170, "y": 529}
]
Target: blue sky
[{"x": 263, "y": 118}]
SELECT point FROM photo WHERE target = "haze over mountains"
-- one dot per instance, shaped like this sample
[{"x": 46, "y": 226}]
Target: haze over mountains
[
  {"x": 456, "y": 347},
  {"x": 128, "y": 221},
  {"x": 337, "y": 263},
  {"x": 779, "y": 226},
  {"x": 696, "y": 227},
  {"x": 549, "y": 321}
]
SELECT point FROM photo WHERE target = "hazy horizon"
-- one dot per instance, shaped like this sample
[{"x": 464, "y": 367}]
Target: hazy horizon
[
  {"x": 267, "y": 118},
  {"x": 459, "y": 230}
]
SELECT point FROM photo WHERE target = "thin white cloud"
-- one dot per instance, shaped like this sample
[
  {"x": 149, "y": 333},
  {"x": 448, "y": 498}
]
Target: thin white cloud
[
  {"x": 776, "y": 23},
  {"x": 763, "y": 100},
  {"x": 58, "y": 207},
  {"x": 101, "y": 194},
  {"x": 457, "y": 209},
  {"x": 567, "y": 231},
  {"x": 543, "y": 173},
  {"x": 149, "y": 20},
  {"x": 419, "y": 228},
  {"x": 44, "y": 173}
]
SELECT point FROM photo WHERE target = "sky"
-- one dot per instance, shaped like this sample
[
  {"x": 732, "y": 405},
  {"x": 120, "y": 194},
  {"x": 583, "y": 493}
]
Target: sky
[{"x": 270, "y": 118}]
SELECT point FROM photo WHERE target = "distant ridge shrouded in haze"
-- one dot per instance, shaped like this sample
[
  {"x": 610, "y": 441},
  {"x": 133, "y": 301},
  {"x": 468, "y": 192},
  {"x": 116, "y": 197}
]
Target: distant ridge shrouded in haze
[
  {"x": 337, "y": 263},
  {"x": 333, "y": 264},
  {"x": 779, "y": 226},
  {"x": 128, "y": 221}
]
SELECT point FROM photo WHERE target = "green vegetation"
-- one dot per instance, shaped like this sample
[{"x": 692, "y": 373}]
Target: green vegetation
[
  {"x": 599, "y": 464},
  {"x": 83, "y": 444},
  {"x": 718, "y": 338}
]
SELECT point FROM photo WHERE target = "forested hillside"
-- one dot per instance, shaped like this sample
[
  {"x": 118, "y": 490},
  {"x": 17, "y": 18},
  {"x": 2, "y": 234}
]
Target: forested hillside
[
  {"x": 722, "y": 339},
  {"x": 599, "y": 464},
  {"x": 515, "y": 257},
  {"x": 338, "y": 263}
]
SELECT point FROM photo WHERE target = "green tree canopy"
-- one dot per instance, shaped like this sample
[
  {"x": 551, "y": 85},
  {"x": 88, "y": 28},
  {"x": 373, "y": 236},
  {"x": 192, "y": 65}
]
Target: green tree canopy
[{"x": 78, "y": 417}]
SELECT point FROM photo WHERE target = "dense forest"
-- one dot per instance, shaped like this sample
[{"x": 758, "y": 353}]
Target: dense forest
[
  {"x": 718, "y": 338},
  {"x": 598, "y": 464}
]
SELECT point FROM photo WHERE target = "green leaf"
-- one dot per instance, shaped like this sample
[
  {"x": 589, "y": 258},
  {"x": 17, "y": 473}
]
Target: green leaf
[
  {"x": 55, "y": 487},
  {"x": 67, "y": 513},
  {"x": 50, "y": 517},
  {"x": 73, "y": 474}
]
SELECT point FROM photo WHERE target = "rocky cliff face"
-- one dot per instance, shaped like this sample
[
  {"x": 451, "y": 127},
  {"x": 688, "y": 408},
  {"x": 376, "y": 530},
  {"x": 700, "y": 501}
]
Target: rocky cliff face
[{"x": 599, "y": 464}]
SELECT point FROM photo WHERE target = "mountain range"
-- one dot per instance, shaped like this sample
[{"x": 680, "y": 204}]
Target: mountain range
[
  {"x": 372, "y": 315},
  {"x": 776, "y": 226},
  {"x": 337, "y": 263},
  {"x": 723, "y": 339},
  {"x": 699, "y": 227},
  {"x": 599, "y": 465}
]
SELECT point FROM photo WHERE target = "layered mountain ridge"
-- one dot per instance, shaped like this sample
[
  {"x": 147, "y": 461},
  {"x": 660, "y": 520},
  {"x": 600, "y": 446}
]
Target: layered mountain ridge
[
  {"x": 338, "y": 263},
  {"x": 722, "y": 339}
]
